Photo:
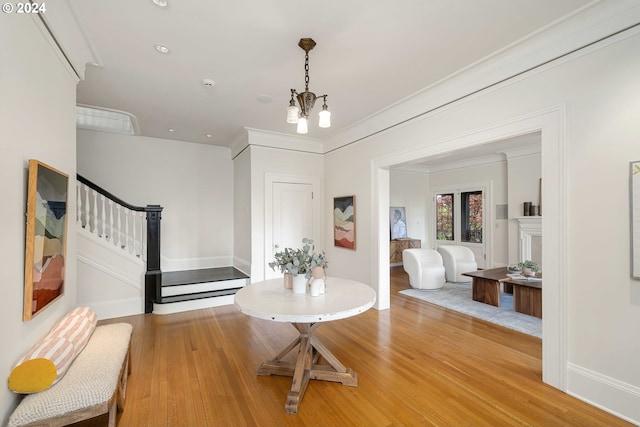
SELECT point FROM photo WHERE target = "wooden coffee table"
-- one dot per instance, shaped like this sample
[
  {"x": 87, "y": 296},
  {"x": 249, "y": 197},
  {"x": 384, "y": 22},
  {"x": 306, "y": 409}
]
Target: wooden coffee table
[
  {"x": 527, "y": 294},
  {"x": 485, "y": 284}
]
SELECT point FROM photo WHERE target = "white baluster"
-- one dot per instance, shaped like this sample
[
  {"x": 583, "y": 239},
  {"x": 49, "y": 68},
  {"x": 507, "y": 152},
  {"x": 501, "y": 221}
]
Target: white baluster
[
  {"x": 78, "y": 204},
  {"x": 134, "y": 244},
  {"x": 118, "y": 240},
  {"x": 110, "y": 234},
  {"x": 103, "y": 221},
  {"x": 126, "y": 230},
  {"x": 94, "y": 211},
  {"x": 143, "y": 237},
  {"x": 87, "y": 225}
]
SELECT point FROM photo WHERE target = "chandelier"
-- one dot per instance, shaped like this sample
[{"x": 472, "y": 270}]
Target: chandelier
[{"x": 306, "y": 99}]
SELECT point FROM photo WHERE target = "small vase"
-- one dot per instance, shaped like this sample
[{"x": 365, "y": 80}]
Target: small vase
[
  {"x": 299, "y": 284},
  {"x": 317, "y": 287},
  {"x": 288, "y": 280}
]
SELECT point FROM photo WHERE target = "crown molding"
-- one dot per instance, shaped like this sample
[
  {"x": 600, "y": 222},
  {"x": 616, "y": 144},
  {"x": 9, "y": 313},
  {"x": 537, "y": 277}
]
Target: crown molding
[
  {"x": 596, "y": 21},
  {"x": 528, "y": 151},
  {"x": 491, "y": 159},
  {"x": 69, "y": 36},
  {"x": 262, "y": 138}
]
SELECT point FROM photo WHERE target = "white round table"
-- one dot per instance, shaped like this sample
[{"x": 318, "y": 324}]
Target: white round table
[{"x": 270, "y": 300}]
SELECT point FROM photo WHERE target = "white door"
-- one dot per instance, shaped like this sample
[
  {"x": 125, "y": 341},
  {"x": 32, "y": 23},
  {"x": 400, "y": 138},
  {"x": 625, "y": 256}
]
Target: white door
[
  {"x": 292, "y": 218},
  {"x": 461, "y": 220}
]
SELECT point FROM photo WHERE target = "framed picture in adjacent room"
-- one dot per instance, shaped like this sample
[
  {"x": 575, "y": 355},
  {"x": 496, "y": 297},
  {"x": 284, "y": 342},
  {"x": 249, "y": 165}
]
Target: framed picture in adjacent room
[
  {"x": 46, "y": 236},
  {"x": 344, "y": 222},
  {"x": 398, "y": 223}
]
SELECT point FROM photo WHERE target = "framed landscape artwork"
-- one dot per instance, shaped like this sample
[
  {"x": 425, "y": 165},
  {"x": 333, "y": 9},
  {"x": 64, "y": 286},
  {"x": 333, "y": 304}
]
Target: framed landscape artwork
[
  {"x": 344, "y": 222},
  {"x": 45, "y": 237},
  {"x": 634, "y": 177}
]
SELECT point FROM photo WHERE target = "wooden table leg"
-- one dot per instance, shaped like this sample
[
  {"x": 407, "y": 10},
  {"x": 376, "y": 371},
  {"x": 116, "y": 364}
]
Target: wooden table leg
[
  {"x": 486, "y": 291},
  {"x": 307, "y": 366}
]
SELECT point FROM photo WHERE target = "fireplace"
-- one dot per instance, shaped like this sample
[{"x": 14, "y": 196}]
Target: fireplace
[{"x": 530, "y": 235}]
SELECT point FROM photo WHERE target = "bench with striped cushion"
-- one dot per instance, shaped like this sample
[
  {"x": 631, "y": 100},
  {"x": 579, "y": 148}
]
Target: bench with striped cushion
[
  {"x": 47, "y": 362},
  {"x": 94, "y": 384}
]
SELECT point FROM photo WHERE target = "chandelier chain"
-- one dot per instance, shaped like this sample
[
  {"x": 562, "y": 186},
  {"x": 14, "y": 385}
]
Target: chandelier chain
[{"x": 306, "y": 72}]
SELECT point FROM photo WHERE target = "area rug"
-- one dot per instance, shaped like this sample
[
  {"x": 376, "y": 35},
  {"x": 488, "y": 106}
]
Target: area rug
[{"x": 457, "y": 296}]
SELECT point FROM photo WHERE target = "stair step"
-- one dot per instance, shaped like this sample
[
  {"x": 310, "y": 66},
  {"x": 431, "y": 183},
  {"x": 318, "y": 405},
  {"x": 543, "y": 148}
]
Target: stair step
[
  {"x": 204, "y": 275},
  {"x": 195, "y": 289},
  {"x": 197, "y": 304}
]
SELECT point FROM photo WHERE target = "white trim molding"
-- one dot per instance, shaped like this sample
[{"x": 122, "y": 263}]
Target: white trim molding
[
  {"x": 611, "y": 395},
  {"x": 528, "y": 227}
]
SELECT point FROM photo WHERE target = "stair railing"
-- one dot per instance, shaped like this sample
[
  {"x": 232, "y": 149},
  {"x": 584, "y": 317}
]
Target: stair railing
[{"x": 123, "y": 225}]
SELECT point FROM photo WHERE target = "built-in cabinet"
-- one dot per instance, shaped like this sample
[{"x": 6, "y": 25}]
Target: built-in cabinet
[{"x": 397, "y": 246}]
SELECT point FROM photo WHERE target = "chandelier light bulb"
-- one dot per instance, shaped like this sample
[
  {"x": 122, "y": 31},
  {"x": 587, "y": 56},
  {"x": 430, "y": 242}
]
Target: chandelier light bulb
[
  {"x": 325, "y": 116},
  {"x": 292, "y": 113},
  {"x": 302, "y": 125}
]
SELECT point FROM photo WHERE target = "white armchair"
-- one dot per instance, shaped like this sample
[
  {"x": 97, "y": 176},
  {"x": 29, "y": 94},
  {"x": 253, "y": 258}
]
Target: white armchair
[
  {"x": 457, "y": 260},
  {"x": 424, "y": 267}
]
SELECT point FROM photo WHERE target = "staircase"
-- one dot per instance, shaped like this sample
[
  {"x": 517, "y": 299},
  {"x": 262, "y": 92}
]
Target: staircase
[
  {"x": 195, "y": 289},
  {"x": 112, "y": 226}
]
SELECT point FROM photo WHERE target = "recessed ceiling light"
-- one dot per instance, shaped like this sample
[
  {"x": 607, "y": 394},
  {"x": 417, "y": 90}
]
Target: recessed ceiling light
[
  {"x": 208, "y": 83},
  {"x": 264, "y": 99},
  {"x": 209, "y": 135},
  {"x": 161, "y": 3},
  {"x": 161, "y": 48},
  {"x": 172, "y": 130}
]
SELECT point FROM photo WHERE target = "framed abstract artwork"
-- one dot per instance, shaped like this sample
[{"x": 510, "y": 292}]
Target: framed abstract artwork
[
  {"x": 45, "y": 246},
  {"x": 344, "y": 222},
  {"x": 634, "y": 185}
]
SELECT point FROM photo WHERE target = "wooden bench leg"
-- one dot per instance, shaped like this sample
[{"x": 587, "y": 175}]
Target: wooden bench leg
[
  {"x": 112, "y": 413},
  {"x": 121, "y": 393}
]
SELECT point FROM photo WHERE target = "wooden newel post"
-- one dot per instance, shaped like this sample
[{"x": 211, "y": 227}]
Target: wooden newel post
[{"x": 153, "y": 276}]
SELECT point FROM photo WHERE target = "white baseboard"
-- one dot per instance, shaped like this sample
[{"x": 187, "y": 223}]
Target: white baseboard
[
  {"x": 242, "y": 265},
  {"x": 179, "y": 264},
  {"x": 610, "y": 395}
]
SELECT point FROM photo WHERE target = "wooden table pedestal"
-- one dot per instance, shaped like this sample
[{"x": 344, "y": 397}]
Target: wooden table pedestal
[{"x": 308, "y": 365}]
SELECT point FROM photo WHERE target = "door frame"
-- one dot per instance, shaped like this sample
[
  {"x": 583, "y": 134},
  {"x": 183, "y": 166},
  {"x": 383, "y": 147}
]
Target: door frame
[
  {"x": 551, "y": 123},
  {"x": 318, "y": 197}
]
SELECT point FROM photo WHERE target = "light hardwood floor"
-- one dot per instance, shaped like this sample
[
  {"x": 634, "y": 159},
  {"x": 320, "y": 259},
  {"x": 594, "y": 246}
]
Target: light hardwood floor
[{"x": 417, "y": 365}]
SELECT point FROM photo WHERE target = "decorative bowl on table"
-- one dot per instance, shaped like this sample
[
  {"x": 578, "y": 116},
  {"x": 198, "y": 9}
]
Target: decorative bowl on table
[{"x": 514, "y": 268}]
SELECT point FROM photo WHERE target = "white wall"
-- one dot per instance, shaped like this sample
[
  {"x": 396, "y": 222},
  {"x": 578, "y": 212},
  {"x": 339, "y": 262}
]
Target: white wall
[
  {"x": 192, "y": 182},
  {"x": 265, "y": 161},
  {"x": 110, "y": 280},
  {"x": 37, "y": 121},
  {"x": 411, "y": 190},
  {"x": 601, "y": 305}
]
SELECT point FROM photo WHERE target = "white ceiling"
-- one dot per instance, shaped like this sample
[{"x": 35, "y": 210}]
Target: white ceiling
[{"x": 369, "y": 54}]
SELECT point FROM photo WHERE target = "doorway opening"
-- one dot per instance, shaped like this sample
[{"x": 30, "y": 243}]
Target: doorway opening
[{"x": 549, "y": 124}]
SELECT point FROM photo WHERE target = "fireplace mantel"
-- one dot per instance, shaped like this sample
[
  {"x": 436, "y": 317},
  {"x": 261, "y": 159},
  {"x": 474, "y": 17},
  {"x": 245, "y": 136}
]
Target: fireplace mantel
[{"x": 530, "y": 235}]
